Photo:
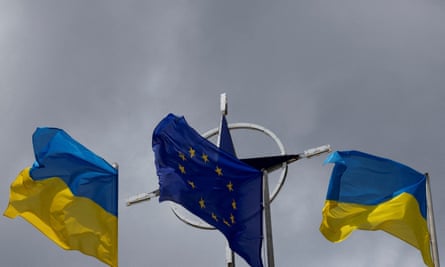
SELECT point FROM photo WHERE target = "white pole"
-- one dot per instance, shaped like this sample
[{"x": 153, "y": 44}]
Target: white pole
[
  {"x": 268, "y": 221},
  {"x": 431, "y": 223},
  {"x": 116, "y": 166},
  {"x": 230, "y": 256}
]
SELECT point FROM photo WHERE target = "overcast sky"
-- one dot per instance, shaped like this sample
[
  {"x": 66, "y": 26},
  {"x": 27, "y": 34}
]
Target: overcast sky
[{"x": 359, "y": 75}]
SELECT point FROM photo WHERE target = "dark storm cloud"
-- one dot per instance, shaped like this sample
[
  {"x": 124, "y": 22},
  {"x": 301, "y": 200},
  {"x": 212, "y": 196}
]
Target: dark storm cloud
[{"x": 364, "y": 75}]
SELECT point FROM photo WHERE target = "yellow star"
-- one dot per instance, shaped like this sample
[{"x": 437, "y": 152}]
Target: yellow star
[
  {"x": 234, "y": 204},
  {"x": 232, "y": 218},
  {"x": 182, "y": 169},
  {"x": 218, "y": 170},
  {"x": 205, "y": 158},
  {"x": 202, "y": 203},
  {"x": 182, "y": 156},
  {"x": 230, "y": 186},
  {"x": 214, "y": 217},
  {"x": 226, "y": 222},
  {"x": 192, "y": 184},
  {"x": 192, "y": 152}
]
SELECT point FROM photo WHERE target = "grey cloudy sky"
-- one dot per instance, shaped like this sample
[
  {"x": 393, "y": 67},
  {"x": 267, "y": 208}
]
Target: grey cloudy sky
[{"x": 363, "y": 75}]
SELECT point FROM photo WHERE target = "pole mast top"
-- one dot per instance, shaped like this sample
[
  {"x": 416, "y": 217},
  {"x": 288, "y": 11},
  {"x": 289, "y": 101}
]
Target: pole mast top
[{"x": 223, "y": 104}]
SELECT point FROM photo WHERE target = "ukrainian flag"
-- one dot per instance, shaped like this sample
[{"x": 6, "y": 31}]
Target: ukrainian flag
[
  {"x": 70, "y": 195},
  {"x": 372, "y": 193}
]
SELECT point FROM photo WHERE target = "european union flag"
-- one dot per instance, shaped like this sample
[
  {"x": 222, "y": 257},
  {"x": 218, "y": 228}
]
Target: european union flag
[{"x": 211, "y": 183}]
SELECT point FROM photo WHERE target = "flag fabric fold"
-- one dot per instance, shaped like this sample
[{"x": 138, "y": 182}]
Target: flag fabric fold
[
  {"x": 210, "y": 183},
  {"x": 225, "y": 138},
  {"x": 367, "y": 192},
  {"x": 70, "y": 195}
]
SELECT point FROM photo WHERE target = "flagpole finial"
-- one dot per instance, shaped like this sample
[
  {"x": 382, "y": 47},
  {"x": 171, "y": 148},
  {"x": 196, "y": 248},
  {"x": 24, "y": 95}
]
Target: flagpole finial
[
  {"x": 223, "y": 103},
  {"x": 317, "y": 151},
  {"x": 142, "y": 197}
]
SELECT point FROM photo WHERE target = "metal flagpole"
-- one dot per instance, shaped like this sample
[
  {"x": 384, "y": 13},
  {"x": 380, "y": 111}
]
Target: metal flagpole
[
  {"x": 230, "y": 256},
  {"x": 431, "y": 223},
  {"x": 268, "y": 221},
  {"x": 116, "y": 166}
]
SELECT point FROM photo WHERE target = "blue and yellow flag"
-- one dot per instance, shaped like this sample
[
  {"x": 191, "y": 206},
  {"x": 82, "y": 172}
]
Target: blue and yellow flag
[
  {"x": 212, "y": 184},
  {"x": 70, "y": 195},
  {"x": 372, "y": 193}
]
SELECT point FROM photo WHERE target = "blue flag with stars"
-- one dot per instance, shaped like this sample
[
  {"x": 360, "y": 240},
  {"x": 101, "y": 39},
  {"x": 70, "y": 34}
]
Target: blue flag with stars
[{"x": 211, "y": 183}]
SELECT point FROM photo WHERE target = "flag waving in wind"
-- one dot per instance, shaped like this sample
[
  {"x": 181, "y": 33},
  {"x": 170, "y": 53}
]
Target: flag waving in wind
[
  {"x": 372, "y": 193},
  {"x": 225, "y": 139},
  {"x": 212, "y": 184},
  {"x": 69, "y": 194}
]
